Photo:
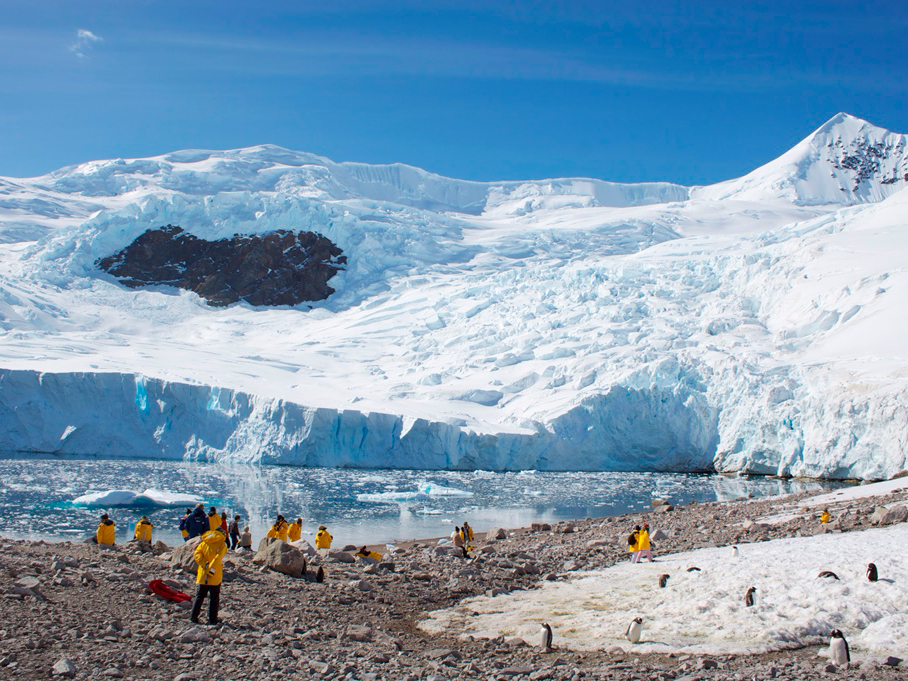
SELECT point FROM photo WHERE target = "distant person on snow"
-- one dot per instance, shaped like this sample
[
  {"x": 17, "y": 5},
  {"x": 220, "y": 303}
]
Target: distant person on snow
[
  {"x": 214, "y": 520},
  {"x": 295, "y": 531},
  {"x": 209, "y": 556},
  {"x": 632, "y": 540},
  {"x": 183, "y": 530},
  {"x": 643, "y": 545},
  {"x": 323, "y": 541},
  {"x": 197, "y": 523},
  {"x": 246, "y": 539},
  {"x": 107, "y": 531},
  {"x": 234, "y": 533},
  {"x": 825, "y": 518},
  {"x": 144, "y": 529}
]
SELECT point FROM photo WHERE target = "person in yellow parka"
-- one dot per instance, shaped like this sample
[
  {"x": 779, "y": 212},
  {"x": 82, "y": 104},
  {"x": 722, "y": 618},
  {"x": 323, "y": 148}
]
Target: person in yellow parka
[
  {"x": 279, "y": 529},
  {"x": 825, "y": 518},
  {"x": 323, "y": 540},
  {"x": 643, "y": 545},
  {"x": 144, "y": 529},
  {"x": 295, "y": 531},
  {"x": 364, "y": 552},
  {"x": 107, "y": 531},
  {"x": 209, "y": 556},
  {"x": 632, "y": 540},
  {"x": 214, "y": 520}
]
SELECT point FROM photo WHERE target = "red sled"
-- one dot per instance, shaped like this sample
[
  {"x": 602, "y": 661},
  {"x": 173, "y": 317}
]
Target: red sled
[{"x": 159, "y": 588}]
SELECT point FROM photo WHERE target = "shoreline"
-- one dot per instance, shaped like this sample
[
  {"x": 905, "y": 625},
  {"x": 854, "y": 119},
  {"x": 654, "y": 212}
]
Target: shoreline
[{"x": 364, "y": 621}]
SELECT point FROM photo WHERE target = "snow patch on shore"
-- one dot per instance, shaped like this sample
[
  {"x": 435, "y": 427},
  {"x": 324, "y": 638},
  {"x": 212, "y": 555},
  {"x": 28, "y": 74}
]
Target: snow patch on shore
[{"x": 703, "y": 612}]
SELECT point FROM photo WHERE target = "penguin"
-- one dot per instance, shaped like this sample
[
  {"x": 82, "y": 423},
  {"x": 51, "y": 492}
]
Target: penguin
[
  {"x": 827, "y": 573},
  {"x": 663, "y": 580},
  {"x": 634, "y": 629},
  {"x": 749, "y": 597},
  {"x": 693, "y": 569},
  {"x": 871, "y": 573},
  {"x": 734, "y": 551},
  {"x": 320, "y": 575},
  {"x": 838, "y": 648},
  {"x": 545, "y": 633}
]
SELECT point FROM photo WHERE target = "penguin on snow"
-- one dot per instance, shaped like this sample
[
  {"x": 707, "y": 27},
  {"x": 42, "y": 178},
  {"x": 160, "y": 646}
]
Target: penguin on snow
[
  {"x": 838, "y": 648},
  {"x": 872, "y": 575},
  {"x": 634, "y": 630},
  {"x": 663, "y": 580},
  {"x": 545, "y": 640},
  {"x": 827, "y": 574},
  {"x": 734, "y": 551},
  {"x": 749, "y": 598}
]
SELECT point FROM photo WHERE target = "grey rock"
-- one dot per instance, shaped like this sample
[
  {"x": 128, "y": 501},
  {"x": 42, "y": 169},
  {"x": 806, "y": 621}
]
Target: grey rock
[
  {"x": 358, "y": 633},
  {"x": 364, "y": 585},
  {"x": 113, "y": 673},
  {"x": 182, "y": 557},
  {"x": 281, "y": 557},
  {"x": 323, "y": 668},
  {"x": 341, "y": 557},
  {"x": 658, "y": 535},
  {"x": 194, "y": 635},
  {"x": 32, "y": 583},
  {"x": 441, "y": 653},
  {"x": 496, "y": 533},
  {"x": 185, "y": 676},
  {"x": 892, "y": 661},
  {"x": 516, "y": 671},
  {"x": 64, "y": 667}
]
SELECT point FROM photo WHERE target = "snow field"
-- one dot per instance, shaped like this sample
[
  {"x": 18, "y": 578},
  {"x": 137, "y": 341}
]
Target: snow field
[{"x": 704, "y": 612}]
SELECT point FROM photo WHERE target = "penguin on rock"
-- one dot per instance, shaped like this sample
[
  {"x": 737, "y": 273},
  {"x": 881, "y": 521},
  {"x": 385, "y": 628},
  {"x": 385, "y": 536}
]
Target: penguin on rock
[
  {"x": 545, "y": 634},
  {"x": 634, "y": 630},
  {"x": 749, "y": 598},
  {"x": 872, "y": 575},
  {"x": 838, "y": 648}
]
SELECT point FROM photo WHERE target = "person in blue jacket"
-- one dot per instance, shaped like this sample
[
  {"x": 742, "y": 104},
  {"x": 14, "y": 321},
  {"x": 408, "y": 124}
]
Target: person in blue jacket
[{"x": 197, "y": 523}]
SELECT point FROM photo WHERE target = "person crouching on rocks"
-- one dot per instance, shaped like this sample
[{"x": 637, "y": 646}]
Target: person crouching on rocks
[
  {"x": 643, "y": 545},
  {"x": 107, "y": 532},
  {"x": 365, "y": 554},
  {"x": 209, "y": 556},
  {"x": 246, "y": 539},
  {"x": 144, "y": 529},
  {"x": 279, "y": 529},
  {"x": 323, "y": 541}
]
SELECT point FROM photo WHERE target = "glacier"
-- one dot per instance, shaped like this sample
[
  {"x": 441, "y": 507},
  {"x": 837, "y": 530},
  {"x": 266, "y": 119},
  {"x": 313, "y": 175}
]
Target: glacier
[{"x": 754, "y": 326}]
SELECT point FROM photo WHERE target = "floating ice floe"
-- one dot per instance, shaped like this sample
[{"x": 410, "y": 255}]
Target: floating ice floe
[
  {"x": 424, "y": 491},
  {"x": 150, "y": 497},
  {"x": 704, "y": 612}
]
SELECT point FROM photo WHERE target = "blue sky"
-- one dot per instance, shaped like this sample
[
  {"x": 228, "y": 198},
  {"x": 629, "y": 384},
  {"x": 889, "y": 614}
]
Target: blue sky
[{"x": 690, "y": 92}]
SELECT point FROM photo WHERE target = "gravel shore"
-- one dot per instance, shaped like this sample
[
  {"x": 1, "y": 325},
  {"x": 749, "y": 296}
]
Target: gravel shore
[{"x": 75, "y": 611}]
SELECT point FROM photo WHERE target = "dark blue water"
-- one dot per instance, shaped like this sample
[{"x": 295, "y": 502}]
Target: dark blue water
[{"x": 359, "y": 506}]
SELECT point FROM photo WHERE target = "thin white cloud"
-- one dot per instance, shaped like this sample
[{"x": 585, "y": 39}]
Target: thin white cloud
[{"x": 84, "y": 40}]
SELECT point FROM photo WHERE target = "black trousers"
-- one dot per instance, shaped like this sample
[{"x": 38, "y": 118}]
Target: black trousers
[
  {"x": 234, "y": 541},
  {"x": 214, "y": 601}
]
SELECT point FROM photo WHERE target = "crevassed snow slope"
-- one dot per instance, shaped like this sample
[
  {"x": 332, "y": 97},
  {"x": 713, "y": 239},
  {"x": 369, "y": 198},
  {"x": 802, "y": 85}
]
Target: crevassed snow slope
[{"x": 558, "y": 324}]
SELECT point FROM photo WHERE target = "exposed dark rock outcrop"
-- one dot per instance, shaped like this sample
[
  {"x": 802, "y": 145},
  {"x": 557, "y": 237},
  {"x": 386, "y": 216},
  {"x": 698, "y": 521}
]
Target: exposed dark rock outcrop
[{"x": 277, "y": 268}]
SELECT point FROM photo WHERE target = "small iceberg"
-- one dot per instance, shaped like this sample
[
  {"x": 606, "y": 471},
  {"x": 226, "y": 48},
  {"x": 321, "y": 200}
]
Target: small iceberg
[
  {"x": 146, "y": 499},
  {"x": 423, "y": 491}
]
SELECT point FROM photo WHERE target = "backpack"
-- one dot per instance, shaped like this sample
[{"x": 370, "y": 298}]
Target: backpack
[{"x": 632, "y": 539}]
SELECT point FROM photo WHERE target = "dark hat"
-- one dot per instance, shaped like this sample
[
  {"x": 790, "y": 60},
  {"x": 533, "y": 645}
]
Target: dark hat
[{"x": 322, "y": 527}]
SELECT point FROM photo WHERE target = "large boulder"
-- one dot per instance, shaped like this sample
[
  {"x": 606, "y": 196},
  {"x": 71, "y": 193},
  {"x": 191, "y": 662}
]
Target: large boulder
[
  {"x": 496, "y": 533},
  {"x": 305, "y": 547},
  {"x": 183, "y": 556},
  {"x": 281, "y": 557}
]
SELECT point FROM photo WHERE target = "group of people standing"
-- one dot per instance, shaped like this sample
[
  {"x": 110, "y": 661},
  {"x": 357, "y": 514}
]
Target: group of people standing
[
  {"x": 196, "y": 522},
  {"x": 106, "y": 534},
  {"x": 638, "y": 544},
  {"x": 290, "y": 532}
]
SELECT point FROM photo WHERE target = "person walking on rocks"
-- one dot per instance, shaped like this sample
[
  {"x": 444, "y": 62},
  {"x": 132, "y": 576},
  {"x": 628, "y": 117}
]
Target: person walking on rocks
[
  {"x": 144, "y": 529},
  {"x": 295, "y": 531},
  {"x": 183, "y": 527},
  {"x": 209, "y": 556},
  {"x": 643, "y": 545},
  {"x": 234, "y": 533},
  {"x": 197, "y": 523},
  {"x": 323, "y": 541},
  {"x": 214, "y": 520},
  {"x": 107, "y": 531},
  {"x": 632, "y": 540}
]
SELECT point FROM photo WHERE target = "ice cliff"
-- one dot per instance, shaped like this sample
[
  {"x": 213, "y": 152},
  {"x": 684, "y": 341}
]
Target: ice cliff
[{"x": 751, "y": 326}]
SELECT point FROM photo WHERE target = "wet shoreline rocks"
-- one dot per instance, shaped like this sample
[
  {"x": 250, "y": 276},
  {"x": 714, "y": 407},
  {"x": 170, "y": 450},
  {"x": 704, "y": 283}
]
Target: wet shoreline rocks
[{"x": 74, "y": 611}]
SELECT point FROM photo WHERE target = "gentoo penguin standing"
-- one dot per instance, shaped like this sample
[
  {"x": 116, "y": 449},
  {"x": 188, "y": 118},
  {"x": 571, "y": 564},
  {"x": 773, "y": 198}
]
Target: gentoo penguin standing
[
  {"x": 634, "y": 629},
  {"x": 734, "y": 551},
  {"x": 871, "y": 573},
  {"x": 545, "y": 641},
  {"x": 663, "y": 580},
  {"x": 749, "y": 597},
  {"x": 838, "y": 648},
  {"x": 320, "y": 575}
]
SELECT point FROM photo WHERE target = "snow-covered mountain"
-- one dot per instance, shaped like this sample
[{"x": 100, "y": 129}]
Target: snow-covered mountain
[{"x": 755, "y": 325}]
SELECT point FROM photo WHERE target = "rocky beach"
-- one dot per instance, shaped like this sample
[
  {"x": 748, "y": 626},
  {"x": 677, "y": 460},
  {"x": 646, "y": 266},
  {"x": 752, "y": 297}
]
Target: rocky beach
[{"x": 73, "y": 610}]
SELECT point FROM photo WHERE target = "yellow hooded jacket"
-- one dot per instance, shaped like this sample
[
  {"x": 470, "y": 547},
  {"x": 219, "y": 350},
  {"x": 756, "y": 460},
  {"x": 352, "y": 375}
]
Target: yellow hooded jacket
[
  {"x": 214, "y": 521},
  {"x": 294, "y": 532},
  {"x": 323, "y": 540},
  {"x": 209, "y": 555},
  {"x": 633, "y": 547},
  {"x": 143, "y": 530},
  {"x": 107, "y": 533},
  {"x": 643, "y": 540},
  {"x": 374, "y": 555},
  {"x": 825, "y": 517},
  {"x": 278, "y": 531}
]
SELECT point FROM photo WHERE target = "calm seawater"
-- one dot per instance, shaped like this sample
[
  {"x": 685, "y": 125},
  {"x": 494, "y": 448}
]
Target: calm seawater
[{"x": 358, "y": 506}]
